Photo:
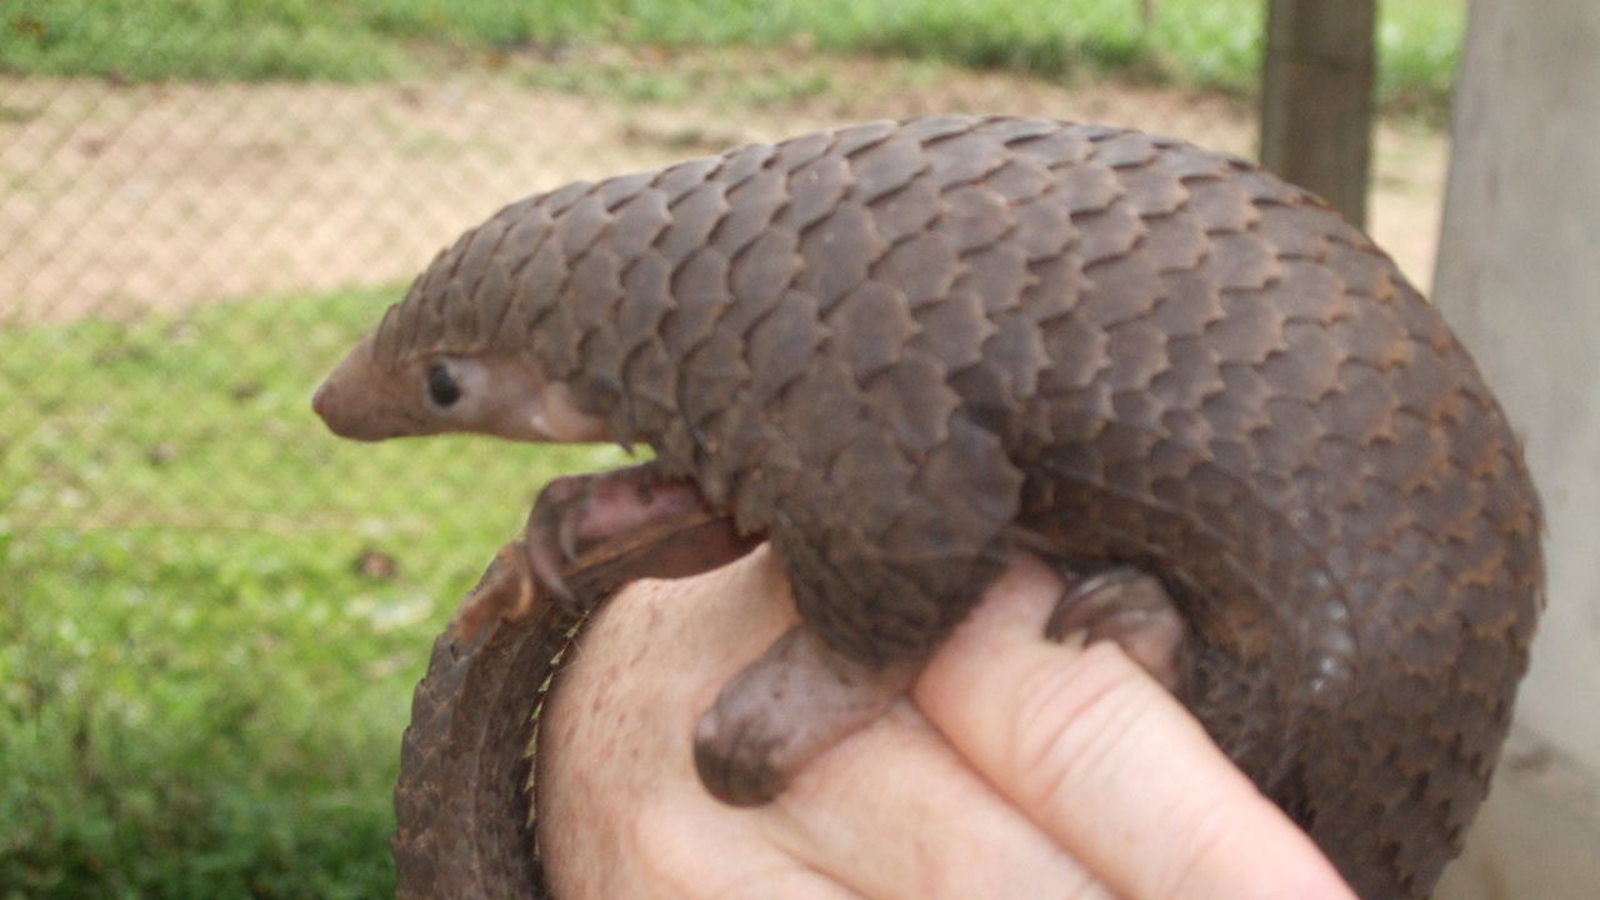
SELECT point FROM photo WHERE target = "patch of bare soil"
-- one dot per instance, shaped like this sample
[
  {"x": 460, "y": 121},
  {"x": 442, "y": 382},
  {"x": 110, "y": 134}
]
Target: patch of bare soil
[{"x": 123, "y": 200}]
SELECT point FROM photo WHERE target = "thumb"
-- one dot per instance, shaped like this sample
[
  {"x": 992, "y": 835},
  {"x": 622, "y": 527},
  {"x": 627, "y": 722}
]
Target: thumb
[{"x": 1107, "y": 762}]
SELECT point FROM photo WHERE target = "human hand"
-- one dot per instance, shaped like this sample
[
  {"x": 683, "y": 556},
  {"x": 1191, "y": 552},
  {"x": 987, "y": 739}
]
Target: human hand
[{"x": 1017, "y": 767}]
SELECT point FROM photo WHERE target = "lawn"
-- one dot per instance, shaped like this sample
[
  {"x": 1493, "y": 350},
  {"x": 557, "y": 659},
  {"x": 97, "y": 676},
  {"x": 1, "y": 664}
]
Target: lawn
[
  {"x": 213, "y": 611},
  {"x": 1212, "y": 44}
]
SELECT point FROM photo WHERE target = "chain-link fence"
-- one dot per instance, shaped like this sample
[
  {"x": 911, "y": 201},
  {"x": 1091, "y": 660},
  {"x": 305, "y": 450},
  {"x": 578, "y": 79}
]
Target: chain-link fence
[{"x": 211, "y": 611}]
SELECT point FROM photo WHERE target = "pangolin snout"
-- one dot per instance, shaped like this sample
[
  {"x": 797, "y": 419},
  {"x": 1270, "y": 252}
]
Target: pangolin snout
[
  {"x": 345, "y": 420},
  {"x": 319, "y": 401}
]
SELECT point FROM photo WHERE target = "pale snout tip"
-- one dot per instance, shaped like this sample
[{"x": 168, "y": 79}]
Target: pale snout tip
[{"x": 319, "y": 401}]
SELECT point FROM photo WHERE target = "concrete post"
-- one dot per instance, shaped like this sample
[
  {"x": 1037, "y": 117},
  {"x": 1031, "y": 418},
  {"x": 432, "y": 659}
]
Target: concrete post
[{"x": 1519, "y": 278}]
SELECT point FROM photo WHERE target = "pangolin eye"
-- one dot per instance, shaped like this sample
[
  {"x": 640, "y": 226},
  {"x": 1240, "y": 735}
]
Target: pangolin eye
[{"x": 441, "y": 387}]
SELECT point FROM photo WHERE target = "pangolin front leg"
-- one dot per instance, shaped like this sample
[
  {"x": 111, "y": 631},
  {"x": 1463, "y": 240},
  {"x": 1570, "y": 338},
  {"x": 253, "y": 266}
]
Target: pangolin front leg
[
  {"x": 628, "y": 523},
  {"x": 575, "y": 512}
]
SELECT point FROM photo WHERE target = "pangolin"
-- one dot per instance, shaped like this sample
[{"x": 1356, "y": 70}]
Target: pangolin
[{"x": 901, "y": 350}]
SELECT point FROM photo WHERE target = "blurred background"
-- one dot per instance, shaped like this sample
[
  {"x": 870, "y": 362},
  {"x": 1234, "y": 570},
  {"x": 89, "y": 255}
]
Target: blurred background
[{"x": 212, "y": 612}]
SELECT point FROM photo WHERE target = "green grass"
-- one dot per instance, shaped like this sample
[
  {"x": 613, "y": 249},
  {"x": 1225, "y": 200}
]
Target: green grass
[
  {"x": 1202, "y": 43},
  {"x": 201, "y": 693},
  {"x": 1419, "y": 51}
]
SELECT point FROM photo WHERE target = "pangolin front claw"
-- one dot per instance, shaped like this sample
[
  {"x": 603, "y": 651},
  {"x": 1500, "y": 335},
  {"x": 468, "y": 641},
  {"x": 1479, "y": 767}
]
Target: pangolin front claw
[
  {"x": 576, "y": 512},
  {"x": 1129, "y": 607}
]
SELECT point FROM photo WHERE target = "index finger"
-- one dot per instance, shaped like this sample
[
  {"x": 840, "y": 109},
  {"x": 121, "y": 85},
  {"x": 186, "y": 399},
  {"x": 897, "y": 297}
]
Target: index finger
[{"x": 1106, "y": 761}]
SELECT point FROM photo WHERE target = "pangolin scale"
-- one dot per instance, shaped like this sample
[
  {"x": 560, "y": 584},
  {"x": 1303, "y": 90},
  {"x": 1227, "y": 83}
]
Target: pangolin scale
[{"x": 896, "y": 347}]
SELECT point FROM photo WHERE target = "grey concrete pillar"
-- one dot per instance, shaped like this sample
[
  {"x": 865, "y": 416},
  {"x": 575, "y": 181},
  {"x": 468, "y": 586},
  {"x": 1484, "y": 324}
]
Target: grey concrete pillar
[{"x": 1519, "y": 278}]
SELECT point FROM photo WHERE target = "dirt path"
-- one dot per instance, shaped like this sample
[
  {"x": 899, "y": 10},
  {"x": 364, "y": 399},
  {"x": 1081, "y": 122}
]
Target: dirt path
[{"x": 120, "y": 200}]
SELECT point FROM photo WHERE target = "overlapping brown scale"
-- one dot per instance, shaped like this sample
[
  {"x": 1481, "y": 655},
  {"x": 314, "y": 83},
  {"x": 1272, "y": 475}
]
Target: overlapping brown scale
[
  {"x": 646, "y": 301},
  {"x": 870, "y": 328},
  {"x": 1003, "y": 383},
  {"x": 1126, "y": 149},
  {"x": 455, "y": 300},
  {"x": 1240, "y": 407},
  {"x": 953, "y": 330},
  {"x": 1411, "y": 456},
  {"x": 1179, "y": 245},
  {"x": 529, "y": 228},
  {"x": 638, "y": 219},
  {"x": 1427, "y": 381},
  {"x": 1217, "y": 202},
  {"x": 845, "y": 566},
  {"x": 559, "y": 201},
  {"x": 700, "y": 293},
  {"x": 1361, "y": 412},
  {"x": 1192, "y": 164},
  {"x": 878, "y": 478},
  {"x": 1306, "y": 365},
  {"x": 975, "y": 217},
  {"x": 651, "y": 379},
  {"x": 752, "y": 203},
  {"x": 886, "y": 168},
  {"x": 713, "y": 375},
  {"x": 741, "y": 164},
  {"x": 783, "y": 346},
  {"x": 738, "y": 437},
  {"x": 556, "y": 343},
  {"x": 923, "y": 268},
  {"x": 825, "y": 416},
  {"x": 930, "y": 130},
  {"x": 537, "y": 276},
  {"x": 1292, "y": 438},
  {"x": 1155, "y": 191},
  {"x": 849, "y": 142},
  {"x": 906, "y": 211},
  {"x": 1044, "y": 230},
  {"x": 815, "y": 190},
  {"x": 594, "y": 293},
  {"x": 1119, "y": 288},
  {"x": 1020, "y": 179},
  {"x": 1303, "y": 231},
  {"x": 1011, "y": 131},
  {"x": 493, "y": 300},
  {"x": 1062, "y": 148},
  {"x": 694, "y": 214},
  {"x": 1249, "y": 333},
  {"x": 760, "y": 491},
  {"x": 583, "y": 224},
  {"x": 849, "y": 242},
  {"x": 998, "y": 274},
  {"x": 761, "y": 272},
  {"x": 1138, "y": 353},
  {"x": 674, "y": 182},
  {"x": 400, "y": 334},
  {"x": 965, "y": 157},
  {"x": 913, "y": 400},
  {"x": 1262, "y": 187},
  {"x": 967, "y": 480}
]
